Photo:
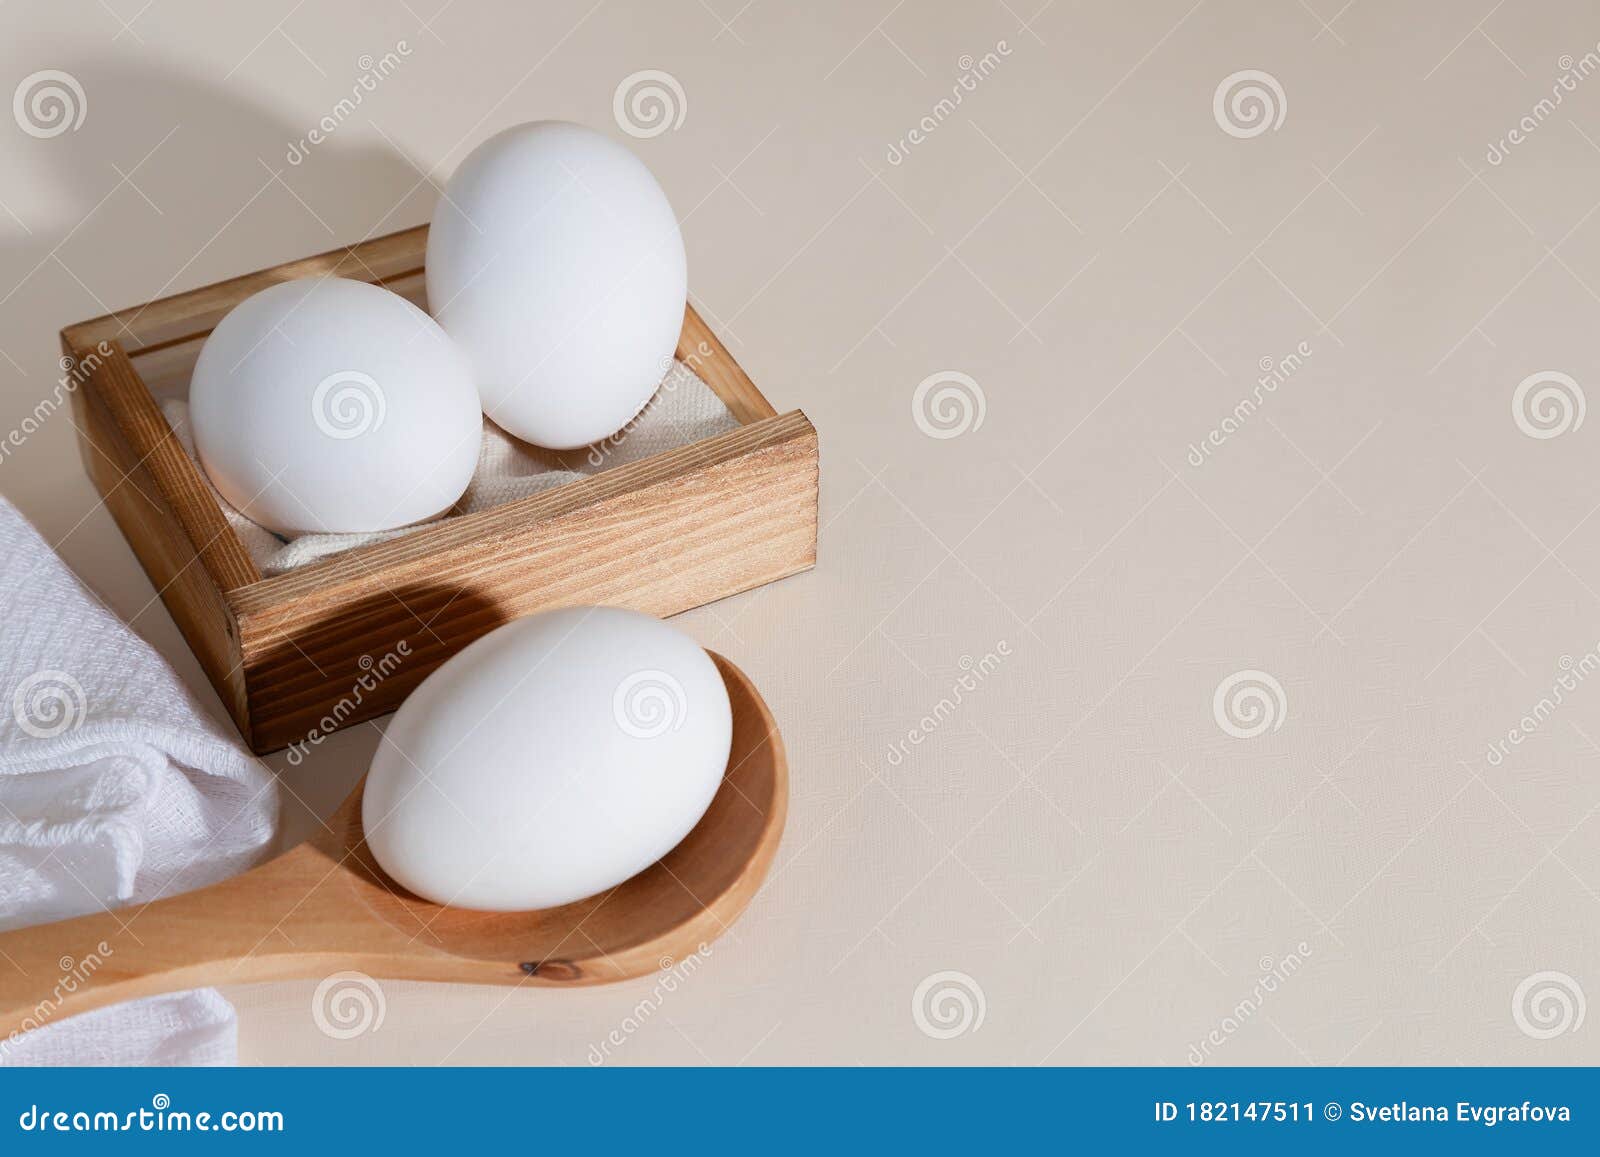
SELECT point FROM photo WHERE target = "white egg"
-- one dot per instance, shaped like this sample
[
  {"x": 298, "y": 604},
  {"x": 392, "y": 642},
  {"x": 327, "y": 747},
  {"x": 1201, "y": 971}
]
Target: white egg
[
  {"x": 333, "y": 406},
  {"x": 548, "y": 761},
  {"x": 555, "y": 260}
]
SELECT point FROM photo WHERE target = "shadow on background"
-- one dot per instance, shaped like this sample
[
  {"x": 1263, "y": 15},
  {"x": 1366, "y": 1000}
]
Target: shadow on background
[{"x": 171, "y": 181}]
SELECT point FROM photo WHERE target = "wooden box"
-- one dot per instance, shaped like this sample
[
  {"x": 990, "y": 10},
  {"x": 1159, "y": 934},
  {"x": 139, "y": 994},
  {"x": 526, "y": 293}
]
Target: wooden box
[{"x": 333, "y": 642}]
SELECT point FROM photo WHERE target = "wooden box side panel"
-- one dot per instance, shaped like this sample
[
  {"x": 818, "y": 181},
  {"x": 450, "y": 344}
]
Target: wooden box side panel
[
  {"x": 197, "y": 311},
  {"x": 109, "y": 376},
  {"x": 162, "y": 548},
  {"x": 703, "y": 352},
  {"x": 679, "y": 541}
]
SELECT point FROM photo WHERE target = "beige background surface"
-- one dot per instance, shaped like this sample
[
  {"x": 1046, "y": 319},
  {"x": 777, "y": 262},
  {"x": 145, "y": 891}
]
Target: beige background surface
[{"x": 1108, "y": 867}]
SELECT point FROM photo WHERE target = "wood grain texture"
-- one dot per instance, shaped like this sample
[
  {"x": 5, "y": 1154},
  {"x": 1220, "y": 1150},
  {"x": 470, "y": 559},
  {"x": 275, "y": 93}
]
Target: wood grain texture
[
  {"x": 662, "y": 535},
  {"x": 704, "y": 353},
  {"x": 160, "y": 542},
  {"x": 113, "y": 380},
  {"x": 326, "y": 907}
]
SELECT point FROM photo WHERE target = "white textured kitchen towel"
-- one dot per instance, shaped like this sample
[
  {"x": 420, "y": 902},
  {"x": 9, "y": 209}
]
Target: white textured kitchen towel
[
  {"x": 185, "y": 1028},
  {"x": 683, "y": 410},
  {"x": 115, "y": 786}
]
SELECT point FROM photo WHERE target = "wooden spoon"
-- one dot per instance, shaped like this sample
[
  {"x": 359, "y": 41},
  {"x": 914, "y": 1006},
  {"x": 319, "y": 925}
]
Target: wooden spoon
[{"x": 325, "y": 906}]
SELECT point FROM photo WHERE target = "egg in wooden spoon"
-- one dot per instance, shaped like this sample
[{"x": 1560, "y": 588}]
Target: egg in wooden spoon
[{"x": 329, "y": 904}]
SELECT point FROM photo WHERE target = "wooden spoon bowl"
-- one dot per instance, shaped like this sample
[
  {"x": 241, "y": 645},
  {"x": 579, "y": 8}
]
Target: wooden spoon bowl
[{"x": 325, "y": 906}]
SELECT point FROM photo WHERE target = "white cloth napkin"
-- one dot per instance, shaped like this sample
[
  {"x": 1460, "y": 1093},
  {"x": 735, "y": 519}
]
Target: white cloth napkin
[
  {"x": 683, "y": 410},
  {"x": 115, "y": 787}
]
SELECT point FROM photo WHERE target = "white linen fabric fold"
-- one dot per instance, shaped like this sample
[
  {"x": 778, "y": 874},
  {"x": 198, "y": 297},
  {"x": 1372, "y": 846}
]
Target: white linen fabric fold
[
  {"x": 683, "y": 410},
  {"x": 115, "y": 787}
]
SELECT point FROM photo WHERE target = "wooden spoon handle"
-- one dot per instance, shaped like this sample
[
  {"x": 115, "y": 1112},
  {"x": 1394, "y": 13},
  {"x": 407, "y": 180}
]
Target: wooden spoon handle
[
  {"x": 57, "y": 971},
  {"x": 217, "y": 935}
]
